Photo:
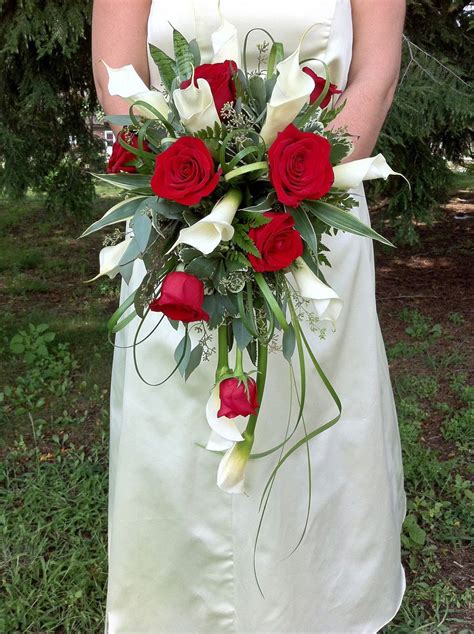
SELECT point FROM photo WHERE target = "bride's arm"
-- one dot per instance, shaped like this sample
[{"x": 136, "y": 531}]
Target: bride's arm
[
  {"x": 373, "y": 75},
  {"x": 119, "y": 37}
]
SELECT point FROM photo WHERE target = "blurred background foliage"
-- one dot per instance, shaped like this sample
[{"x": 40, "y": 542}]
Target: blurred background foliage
[
  {"x": 47, "y": 101},
  {"x": 429, "y": 127}
]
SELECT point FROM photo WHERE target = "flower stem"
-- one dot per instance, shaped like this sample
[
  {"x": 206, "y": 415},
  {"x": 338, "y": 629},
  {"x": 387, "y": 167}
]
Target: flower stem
[
  {"x": 222, "y": 352},
  {"x": 262, "y": 361},
  {"x": 239, "y": 368}
]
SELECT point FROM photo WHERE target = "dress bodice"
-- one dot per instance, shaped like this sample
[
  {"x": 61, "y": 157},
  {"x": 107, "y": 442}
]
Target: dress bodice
[{"x": 330, "y": 39}]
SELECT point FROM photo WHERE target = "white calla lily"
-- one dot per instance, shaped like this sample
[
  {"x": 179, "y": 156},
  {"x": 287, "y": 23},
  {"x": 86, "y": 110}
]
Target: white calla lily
[
  {"x": 327, "y": 303},
  {"x": 109, "y": 259},
  {"x": 231, "y": 471},
  {"x": 196, "y": 106},
  {"x": 292, "y": 90},
  {"x": 217, "y": 443},
  {"x": 216, "y": 227},
  {"x": 350, "y": 175},
  {"x": 125, "y": 82},
  {"x": 223, "y": 426},
  {"x": 225, "y": 43}
]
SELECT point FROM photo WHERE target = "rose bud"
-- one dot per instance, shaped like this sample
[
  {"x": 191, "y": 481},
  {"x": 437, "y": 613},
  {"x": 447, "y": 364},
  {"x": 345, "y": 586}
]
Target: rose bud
[
  {"x": 185, "y": 172},
  {"x": 319, "y": 83},
  {"x": 278, "y": 242},
  {"x": 121, "y": 159},
  {"x": 181, "y": 298},
  {"x": 220, "y": 79},
  {"x": 237, "y": 399},
  {"x": 300, "y": 167}
]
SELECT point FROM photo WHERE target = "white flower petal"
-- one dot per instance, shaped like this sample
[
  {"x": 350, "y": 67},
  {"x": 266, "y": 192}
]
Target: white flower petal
[
  {"x": 223, "y": 426},
  {"x": 292, "y": 90},
  {"x": 231, "y": 470},
  {"x": 350, "y": 175},
  {"x": 109, "y": 259},
  {"x": 225, "y": 43},
  {"x": 196, "y": 106},
  {"x": 155, "y": 99},
  {"x": 205, "y": 235},
  {"x": 327, "y": 303},
  {"x": 216, "y": 227},
  {"x": 217, "y": 443},
  {"x": 125, "y": 82}
]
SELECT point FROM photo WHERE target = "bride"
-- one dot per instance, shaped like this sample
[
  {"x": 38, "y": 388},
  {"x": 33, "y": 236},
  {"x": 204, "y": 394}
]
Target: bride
[{"x": 180, "y": 550}]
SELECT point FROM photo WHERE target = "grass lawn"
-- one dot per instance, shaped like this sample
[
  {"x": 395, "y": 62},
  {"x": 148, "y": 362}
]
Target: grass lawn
[{"x": 55, "y": 369}]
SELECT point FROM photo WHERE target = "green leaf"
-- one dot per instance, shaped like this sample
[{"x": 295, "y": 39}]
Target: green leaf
[
  {"x": 194, "y": 46},
  {"x": 242, "y": 336},
  {"x": 311, "y": 260},
  {"x": 271, "y": 300},
  {"x": 194, "y": 360},
  {"x": 239, "y": 258},
  {"x": 183, "y": 54},
  {"x": 202, "y": 267},
  {"x": 116, "y": 322},
  {"x": 277, "y": 54},
  {"x": 266, "y": 204},
  {"x": 253, "y": 218},
  {"x": 252, "y": 350},
  {"x": 127, "y": 181},
  {"x": 141, "y": 225},
  {"x": 416, "y": 533},
  {"x": 289, "y": 342},
  {"x": 216, "y": 308},
  {"x": 258, "y": 91},
  {"x": 42, "y": 328},
  {"x": 188, "y": 254},
  {"x": 118, "y": 213},
  {"x": 304, "y": 227},
  {"x": 242, "y": 240},
  {"x": 16, "y": 345},
  {"x": 339, "y": 151},
  {"x": 343, "y": 220},
  {"x": 168, "y": 209},
  {"x": 118, "y": 119},
  {"x": 132, "y": 253},
  {"x": 166, "y": 66},
  {"x": 182, "y": 354},
  {"x": 189, "y": 217}
]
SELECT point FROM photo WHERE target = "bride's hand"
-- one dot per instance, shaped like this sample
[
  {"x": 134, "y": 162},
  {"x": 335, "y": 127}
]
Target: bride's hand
[
  {"x": 119, "y": 37},
  {"x": 374, "y": 71}
]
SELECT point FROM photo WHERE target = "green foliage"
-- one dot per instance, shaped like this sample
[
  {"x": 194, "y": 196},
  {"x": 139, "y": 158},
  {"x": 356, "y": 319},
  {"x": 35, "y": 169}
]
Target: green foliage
[
  {"x": 430, "y": 120},
  {"x": 242, "y": 240},
  {"x": 54, "y": 530},
  {"x": 47, "y": 100},
  {"x": 439, "y": 493},
  {"x": 46, "y": 371}
]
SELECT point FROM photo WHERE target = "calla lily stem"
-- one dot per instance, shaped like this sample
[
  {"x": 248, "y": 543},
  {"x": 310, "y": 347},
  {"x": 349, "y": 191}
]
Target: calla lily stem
[
  {"x": 222, "y": 352},
  {"x": 262, "y": 362},
  {"x": 239, "y": 367}
]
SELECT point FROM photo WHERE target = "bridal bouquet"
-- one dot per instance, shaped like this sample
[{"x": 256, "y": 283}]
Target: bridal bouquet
[{"x": 234, "y": 178}]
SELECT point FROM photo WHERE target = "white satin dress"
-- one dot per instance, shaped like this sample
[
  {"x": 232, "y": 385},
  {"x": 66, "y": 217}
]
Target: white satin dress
[{"x": 180, "y": 549}]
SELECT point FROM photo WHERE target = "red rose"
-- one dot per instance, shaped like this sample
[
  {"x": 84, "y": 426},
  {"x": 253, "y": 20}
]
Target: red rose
[
  {"x": 185, "y": 172},
  {"x": 319, "y": 83},
  {"x": 121, "y": 158},
  {"x": 300, "y": 168},
  {"x": 220, "y": 79},
  {"x": 236, "y": 398},
  {"x": 278, "y": 242},
  {"x": 181, "y": 298}
]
